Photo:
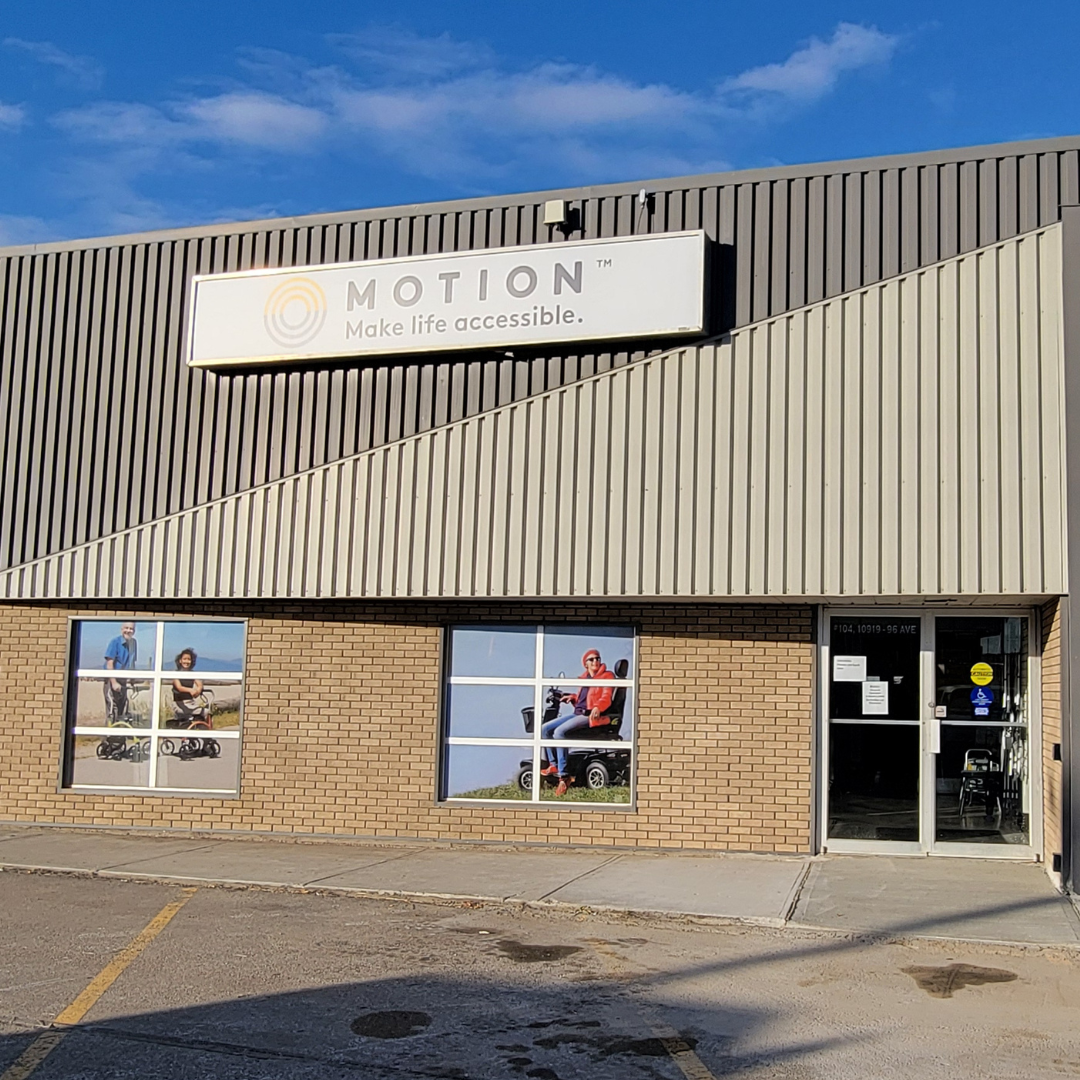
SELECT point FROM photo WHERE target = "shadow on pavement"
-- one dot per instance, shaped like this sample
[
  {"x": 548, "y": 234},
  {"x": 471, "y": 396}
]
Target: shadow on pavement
[
  {"x": 416, "y": 1027},
  {"x": 557, "y": 1011}
]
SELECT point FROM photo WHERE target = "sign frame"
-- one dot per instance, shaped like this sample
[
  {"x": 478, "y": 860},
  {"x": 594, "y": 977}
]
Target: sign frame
[{"x": 305, "y": 356}]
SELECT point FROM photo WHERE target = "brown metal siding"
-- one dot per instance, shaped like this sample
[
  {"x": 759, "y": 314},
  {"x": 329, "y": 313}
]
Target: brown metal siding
[{"x": 102, "y": 427}]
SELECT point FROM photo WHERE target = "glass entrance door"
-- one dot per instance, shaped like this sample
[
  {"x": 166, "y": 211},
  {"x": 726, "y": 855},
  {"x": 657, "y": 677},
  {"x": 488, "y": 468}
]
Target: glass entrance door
[
  {"x": 926, "y": 746},
  {"x": 981, "y": 769},
  {"x": 875, "y": 730}
]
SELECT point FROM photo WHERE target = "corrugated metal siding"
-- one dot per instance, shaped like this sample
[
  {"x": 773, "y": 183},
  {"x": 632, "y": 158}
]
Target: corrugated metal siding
[
  {"x": 903, "y": 439},
  {"x": 102, "y": 427}
]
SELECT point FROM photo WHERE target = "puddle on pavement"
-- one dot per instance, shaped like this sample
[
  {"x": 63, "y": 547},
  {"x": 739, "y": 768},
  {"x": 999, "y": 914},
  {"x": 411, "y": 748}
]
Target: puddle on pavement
[
  {"x": 392, "y": 1024},
  {"x": 534, "y": 954},
  {"x": 940, "y": 982}
]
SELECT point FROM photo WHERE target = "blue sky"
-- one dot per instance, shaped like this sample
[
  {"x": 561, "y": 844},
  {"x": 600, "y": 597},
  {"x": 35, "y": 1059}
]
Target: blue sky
[
  {"x": 218, "y": 645},
  {"x": 117, "y": 117}
]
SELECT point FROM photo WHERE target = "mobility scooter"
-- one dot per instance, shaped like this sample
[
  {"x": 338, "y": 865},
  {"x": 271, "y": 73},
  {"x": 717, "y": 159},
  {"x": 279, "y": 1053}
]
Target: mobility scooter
[{"x": 593, "y": 767}]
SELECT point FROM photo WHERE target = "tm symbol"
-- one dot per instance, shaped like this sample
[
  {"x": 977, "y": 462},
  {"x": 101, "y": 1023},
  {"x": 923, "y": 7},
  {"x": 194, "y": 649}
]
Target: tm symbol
[{"x": 603, "y": 262}]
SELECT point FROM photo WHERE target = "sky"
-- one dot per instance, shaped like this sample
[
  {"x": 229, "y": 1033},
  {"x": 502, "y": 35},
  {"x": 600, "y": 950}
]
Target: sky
[
  {"x": 118, "y": 117},
  {"x": 219, "y": 645}
]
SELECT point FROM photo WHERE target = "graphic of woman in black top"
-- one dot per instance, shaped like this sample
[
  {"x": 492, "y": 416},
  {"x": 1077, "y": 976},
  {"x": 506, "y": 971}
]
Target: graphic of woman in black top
[{"x": 187, "y": 708}]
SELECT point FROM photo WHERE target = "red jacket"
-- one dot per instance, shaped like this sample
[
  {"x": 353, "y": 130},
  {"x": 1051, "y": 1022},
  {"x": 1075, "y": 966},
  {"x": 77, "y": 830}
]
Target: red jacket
[{"x": 595, "y": 697}]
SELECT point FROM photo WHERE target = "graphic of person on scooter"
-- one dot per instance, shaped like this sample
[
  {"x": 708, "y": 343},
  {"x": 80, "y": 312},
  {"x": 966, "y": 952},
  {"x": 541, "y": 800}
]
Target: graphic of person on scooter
[{"x": 590, "y": 706}]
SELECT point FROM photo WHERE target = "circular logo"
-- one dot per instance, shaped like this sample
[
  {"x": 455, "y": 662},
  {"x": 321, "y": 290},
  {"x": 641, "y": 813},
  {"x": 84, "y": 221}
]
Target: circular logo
[
  {"x": 295, "y": 312},
  {"x": 982, "y": 673}
]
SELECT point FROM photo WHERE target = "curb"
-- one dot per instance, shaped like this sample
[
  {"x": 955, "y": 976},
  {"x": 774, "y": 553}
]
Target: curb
[{"x": 696, "y": 920}]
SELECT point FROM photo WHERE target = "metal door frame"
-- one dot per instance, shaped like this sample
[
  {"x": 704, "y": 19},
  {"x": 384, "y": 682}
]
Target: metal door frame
[{"x": 929, "y": 737}]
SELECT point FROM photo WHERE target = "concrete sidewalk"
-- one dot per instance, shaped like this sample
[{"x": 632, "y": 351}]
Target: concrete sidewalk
[{"x": 979, "y": 900}]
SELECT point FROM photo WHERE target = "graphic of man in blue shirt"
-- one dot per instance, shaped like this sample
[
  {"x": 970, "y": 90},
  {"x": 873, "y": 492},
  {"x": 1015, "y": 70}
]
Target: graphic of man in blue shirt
[{"x": 120, "y": 655}]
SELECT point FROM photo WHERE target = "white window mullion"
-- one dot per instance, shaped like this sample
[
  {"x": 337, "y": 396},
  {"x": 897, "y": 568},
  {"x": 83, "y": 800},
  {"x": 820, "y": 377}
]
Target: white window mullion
[
  {"x": 484, "y": 680},
  {"x": 170, "y": 673},
  {"x": 155, "y": 701},
  {"x": 227, "y": 733},
  {"x": 538, "y": 713},
  {"x": 152, "y": 780},
  {"x": 480, "y": 740}
]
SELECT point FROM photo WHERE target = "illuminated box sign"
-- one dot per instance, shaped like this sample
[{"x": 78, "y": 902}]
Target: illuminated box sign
[{"x": 617, "y": 289}]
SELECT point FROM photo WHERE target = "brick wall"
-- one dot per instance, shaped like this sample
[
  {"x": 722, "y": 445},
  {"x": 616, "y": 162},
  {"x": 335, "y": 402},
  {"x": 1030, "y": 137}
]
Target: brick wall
[
  {"x": 1053, "y": 804},
  {"x": 340, "y": 727}
]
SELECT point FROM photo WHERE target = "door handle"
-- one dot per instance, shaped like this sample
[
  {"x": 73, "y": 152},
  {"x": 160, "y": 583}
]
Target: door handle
[{"x": 934, "y": 740}]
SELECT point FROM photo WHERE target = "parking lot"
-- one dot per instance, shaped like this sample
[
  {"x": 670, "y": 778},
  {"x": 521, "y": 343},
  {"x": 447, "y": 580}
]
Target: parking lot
[{"x": 245, "y": 983}]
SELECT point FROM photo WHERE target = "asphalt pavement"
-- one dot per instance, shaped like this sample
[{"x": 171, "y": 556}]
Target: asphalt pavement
[
  {"x": 108, "y": 979},
  {"x": 963, "y": 899}
]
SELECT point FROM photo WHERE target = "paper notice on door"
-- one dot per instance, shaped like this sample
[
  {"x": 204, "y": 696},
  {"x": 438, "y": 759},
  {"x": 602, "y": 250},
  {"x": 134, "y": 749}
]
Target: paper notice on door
[
  {"x": 849, "y": 668},
  {"x": 875, "y": 699}
]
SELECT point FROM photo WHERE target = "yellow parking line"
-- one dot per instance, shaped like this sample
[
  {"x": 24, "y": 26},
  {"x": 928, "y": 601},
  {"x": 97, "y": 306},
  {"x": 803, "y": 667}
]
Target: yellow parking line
[
  {"x": 34, "y": 1055},
  {"x": 48, "y": 1041}
]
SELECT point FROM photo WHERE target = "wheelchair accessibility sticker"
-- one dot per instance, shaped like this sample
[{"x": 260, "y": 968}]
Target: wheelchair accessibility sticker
[{"x": 982, "y": 699}]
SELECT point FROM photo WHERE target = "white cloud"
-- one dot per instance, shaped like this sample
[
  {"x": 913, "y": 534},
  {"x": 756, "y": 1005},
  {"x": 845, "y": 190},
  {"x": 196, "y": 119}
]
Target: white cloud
[
  {"x": 548, "y": 98},
  {"x": 466, "y": 115},
  {"x": 395, "y": 51},
  {"x": 444, "y": 109},
  {"x": 436, "y": 104},
  {"x": 480, "y": 124},
  {"x": 121, "y": 122},
  {"x": 12, "y": 117},
  {"x": 19, "y": 229},
  {"x": 255, "y": 119},
  {"x": 247, "y": 118},
  {"x": 441, "y": 100},
  {"x": 82, "y": 70},
  {"x": 106, "y": 189},
  {"x": 812, "y": 71}
]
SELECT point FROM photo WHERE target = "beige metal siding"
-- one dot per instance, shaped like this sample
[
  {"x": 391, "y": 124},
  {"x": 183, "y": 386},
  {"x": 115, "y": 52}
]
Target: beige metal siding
[{"x": 902, "y": 439}]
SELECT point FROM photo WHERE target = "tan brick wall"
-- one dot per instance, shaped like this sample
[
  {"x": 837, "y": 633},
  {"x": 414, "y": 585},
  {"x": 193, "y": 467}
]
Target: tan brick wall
[
  {"x": 1053, "y": 805},
  {"x": 724, "y": 727}
]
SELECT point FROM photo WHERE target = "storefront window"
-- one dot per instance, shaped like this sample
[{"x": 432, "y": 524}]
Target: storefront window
[
  {"x": 155, "y": 705},
  {"x": 539, "y": 713}
]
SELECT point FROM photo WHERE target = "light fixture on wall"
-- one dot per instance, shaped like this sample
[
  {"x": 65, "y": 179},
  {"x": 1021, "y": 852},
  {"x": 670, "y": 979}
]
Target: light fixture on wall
[{"x": 555, "y": 212}]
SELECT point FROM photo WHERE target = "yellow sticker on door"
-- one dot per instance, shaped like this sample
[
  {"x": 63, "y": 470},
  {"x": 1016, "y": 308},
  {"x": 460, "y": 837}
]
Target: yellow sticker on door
[{"x": 982, "y": 673}]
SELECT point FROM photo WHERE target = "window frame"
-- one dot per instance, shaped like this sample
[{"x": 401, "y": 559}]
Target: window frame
[
  {"x": 539, "y": 682},
  {"x": 159, "y": 677}
]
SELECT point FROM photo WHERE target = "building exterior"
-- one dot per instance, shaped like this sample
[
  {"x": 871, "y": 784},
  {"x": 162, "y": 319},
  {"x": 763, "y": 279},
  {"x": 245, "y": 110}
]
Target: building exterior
[{"x": 792, "y": 575}]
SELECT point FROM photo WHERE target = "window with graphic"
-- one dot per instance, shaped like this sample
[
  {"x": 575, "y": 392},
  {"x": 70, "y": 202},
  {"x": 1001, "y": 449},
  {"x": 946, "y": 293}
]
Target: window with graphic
[
  {"x": 155, "y": 704},
  {"x": 539, "y": 714}
]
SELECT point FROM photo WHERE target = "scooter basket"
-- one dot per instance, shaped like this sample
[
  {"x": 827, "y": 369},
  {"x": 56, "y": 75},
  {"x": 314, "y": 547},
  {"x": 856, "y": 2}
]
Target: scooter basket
[{"x": 528, "y": 714}]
